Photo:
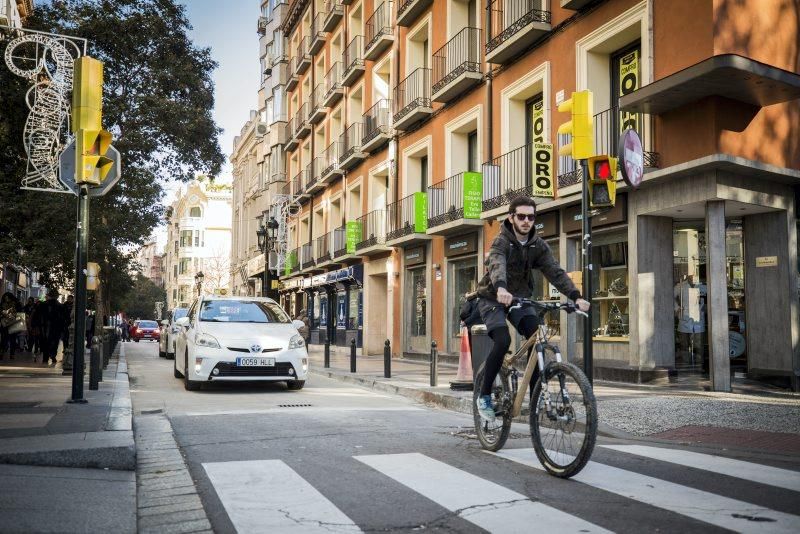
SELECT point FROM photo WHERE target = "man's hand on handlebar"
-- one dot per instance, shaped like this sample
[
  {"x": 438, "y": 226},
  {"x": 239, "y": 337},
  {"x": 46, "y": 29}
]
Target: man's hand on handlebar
[
  {"x": 504, "y": 297},
  {"x": 583, "y": 305}
]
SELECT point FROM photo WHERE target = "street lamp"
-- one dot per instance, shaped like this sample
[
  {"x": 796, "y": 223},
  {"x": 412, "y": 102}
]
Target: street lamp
[
  {"x": 198, "y": 280},
  {"x": 266, "y": 242}
]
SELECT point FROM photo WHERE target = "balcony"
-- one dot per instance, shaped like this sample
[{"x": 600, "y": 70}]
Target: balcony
[
  {"x": 516, "y": 25},
  {"x": 334, "y": 91},
  {"x": 457, "y": 66},
  {"x": 335, "y": 12},
  {"x": 344, "y": 251},
  {"x": 318, "y": 35},
  {"x": 505, "y": 178},
  {"x": 408, "y": 220},
  {"x": 373, "y": 233},
  {"x": 262, "y": 26},
  {"x": 292, "y": 78},
  {"x": 280, "y": 73},
  {"x": 286, "y": 189},
  {"x": 302, "y": 124},
  {"x": 379, "y": 32},
  {"x": 298, "y": 186},
  {"x": 307, "y": 256},
  {"x": 278, "y": 176},
  {"x": 351, "y": 153},
  {"x": 322, "y": 249},
  {"x": 377, "y": 123},
  {"x": 331, "y": 170},
  {"x": 277, "y": 134},
  {"x": 409, "y": 10},
  {"x": 293, "y": 261},
  {"x": 303, "y": 56},
  {"x": 318, "y": 109},
  {"x": 412, "y": 99},
  {"x": 313, "y": 171},
  {"x": 353, "y": 61},
  {"x": 455, "y": 204}
]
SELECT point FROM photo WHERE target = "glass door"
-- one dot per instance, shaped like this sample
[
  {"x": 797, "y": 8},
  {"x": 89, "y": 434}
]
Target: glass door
[
  {"x": 462, "y": 277},
  {"x": 689, "y": 295},
  {"x": 416, "y": 311}
]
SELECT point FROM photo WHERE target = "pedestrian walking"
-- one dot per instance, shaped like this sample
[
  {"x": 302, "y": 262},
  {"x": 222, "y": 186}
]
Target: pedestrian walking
[
  {"x": 9, "y": 324},
  {"x": 90, "y": 320},
  {"x": 124, "y": 332},
  {"x": 52, "y": 317}
]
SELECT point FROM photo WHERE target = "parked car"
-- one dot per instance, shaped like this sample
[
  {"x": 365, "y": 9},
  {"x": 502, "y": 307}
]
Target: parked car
[
  {"x": 238, "y": 339},
  {"x": 143, "y": 329},
  {"x": 169, "y": 332}
]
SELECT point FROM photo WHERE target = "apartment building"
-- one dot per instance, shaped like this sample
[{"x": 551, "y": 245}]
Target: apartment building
[
  {"x": 198, "y": 240},
  {"x": 150, "y": 259},
  {"x": 412, "y": 124}
]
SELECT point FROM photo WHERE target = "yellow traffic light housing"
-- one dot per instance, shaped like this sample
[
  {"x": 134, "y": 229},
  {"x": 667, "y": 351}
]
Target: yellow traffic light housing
[
  {"x": 91, "y": 141},
  {"x": 92, "y": 165},
  {"x": 581, "y": 109},
  {"x": 602, "y": 181},
  {"x": 92, "y": 276}
]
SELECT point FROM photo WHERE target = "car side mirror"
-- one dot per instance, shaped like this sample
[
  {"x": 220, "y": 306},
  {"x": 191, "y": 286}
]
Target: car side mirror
[
  {"x": 297, "y": 323},
  {"x": 183, "y": 321}
]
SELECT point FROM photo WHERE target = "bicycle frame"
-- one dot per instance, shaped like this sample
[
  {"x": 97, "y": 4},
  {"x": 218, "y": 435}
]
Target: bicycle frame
[{"x": 539, "y": 343}]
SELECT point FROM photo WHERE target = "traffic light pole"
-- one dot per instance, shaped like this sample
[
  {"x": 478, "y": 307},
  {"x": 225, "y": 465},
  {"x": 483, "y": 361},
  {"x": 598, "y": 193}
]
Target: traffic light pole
[
  {"x": 588, "y": 352},
  {"x": 79, "y": 339}
]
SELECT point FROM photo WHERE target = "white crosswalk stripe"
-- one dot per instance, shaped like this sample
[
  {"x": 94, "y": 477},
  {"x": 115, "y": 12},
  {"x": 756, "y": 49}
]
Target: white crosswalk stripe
[
  {"x": 701, "y": 505},
  {"x": 763, "y": 474},
  {"x": 481, "y": 502},
  {"x": 268, "y": 496}
]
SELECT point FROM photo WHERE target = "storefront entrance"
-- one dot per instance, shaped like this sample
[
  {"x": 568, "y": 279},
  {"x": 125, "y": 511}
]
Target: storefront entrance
[{"x": 416, "y": 310}]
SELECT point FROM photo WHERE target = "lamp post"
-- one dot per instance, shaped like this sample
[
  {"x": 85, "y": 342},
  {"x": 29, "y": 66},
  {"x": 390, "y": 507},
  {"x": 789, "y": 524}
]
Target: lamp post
[
  {"x": 266, "y": 242},
  {"x": 198, "y": 280}
]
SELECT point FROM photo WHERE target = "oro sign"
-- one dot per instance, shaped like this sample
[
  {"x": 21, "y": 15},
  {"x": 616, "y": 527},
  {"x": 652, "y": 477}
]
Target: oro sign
[{"x": 631, "y": 158}]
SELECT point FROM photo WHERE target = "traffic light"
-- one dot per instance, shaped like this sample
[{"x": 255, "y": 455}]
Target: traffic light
[
  {"x": 91, "y": 141},
  {"x": 602, "y": 181},
  {"x": 92, "y": 275},
  {"x": 581, "y": 108}
]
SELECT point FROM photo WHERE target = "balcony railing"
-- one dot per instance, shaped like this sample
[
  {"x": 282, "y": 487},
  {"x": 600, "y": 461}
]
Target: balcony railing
[
  {"x": 330, "y": 160},
  {"x": 414, "y": 92},
  {"x": 353, "y": 60},
  {"x": 507, "y": 177},
  {"x": 333, "y": 84},
  {"x": 293, "y": 260},
  {"x": 322, "y": 248},
  {"x": 334, "y": 10},
  {"x": 301, "y": 126},
  {"x": 611, "y": 123},
  {"x": 377, "y": 120},
  {"x": 298, "y": 182},
  {"x": 302, "y": 55},
  {"x": 293, "y": 78},
  {"x": 312, "y": 175},
  {"x": 373, "y": 229},
  {"x": 457, "y": 197},
  {"x": 286, "y": 189},
  {"x": 318, "y": 109},
  {"x": 509, "y": 17},
  {"x": 318, "y": 35},
  {"x": 350, "y": 148},
  {"x": 307, "y": 256},
  {"x": 409, "y": 10},
  {"x": 459, "y": 55},
  {"x": 340, "y": 242},
  {"x": 378, "y": 25},
  {"x": 407, "y": 216}
]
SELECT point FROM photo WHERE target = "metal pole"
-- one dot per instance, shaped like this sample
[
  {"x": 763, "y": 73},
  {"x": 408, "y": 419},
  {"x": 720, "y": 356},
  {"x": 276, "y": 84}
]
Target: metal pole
[
  {"x": 387, "y": 360},
  {"x": 353, "y": 355},
  {"x": 79, "y": 339},
  {"x": 434, "y": 365},
  {"x": 94, "y": 364},
  {"x": 588, "y": 352},
  {"x": 265, "y": 276},
  {"x": 327, "y": 363}
]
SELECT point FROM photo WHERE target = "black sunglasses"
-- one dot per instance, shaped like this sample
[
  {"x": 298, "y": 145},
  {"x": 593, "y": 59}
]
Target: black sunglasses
[{"x": 523, "y": 216}]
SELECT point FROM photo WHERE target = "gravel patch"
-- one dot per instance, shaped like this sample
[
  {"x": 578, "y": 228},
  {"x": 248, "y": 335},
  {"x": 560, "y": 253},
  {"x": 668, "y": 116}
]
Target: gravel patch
[{"x": 645, "y": 416}]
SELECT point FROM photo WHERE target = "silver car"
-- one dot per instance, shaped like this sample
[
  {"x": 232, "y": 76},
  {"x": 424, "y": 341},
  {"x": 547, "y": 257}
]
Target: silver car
[{"x": 169, "y": 331}]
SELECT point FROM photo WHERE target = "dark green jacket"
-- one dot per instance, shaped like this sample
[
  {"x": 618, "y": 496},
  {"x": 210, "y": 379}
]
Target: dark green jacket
[{"x": 510, "y": 263}]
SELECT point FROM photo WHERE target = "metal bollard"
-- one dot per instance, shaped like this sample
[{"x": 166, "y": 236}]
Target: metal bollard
[
  {"x": 353, "y": 355},
  {"x": 387, "y": 360},
  {"x": 327, "y": 363},
  {"x": 434, "y": 365},
  {"x": 106, "y": 345},
  {"x": 94, "y": 363}
]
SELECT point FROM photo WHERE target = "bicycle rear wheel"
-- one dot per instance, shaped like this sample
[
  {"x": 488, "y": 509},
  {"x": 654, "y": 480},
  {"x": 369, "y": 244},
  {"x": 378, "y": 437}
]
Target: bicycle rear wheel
[
  {"x": 493, "y": 435},
  {"x": 563, "y": 435}
]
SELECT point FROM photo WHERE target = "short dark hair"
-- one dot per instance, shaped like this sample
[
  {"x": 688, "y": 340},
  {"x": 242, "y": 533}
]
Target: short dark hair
[{"x": 521, "y": 201}]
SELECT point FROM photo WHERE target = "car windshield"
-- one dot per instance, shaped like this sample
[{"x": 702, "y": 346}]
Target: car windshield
[
  {"x": 177, "y": 313},
  {"x": 242, "y": 311},
  {"x": 148, "y": 324}
]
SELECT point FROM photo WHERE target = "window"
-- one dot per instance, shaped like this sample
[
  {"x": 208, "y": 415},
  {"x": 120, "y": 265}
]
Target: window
[
  {"x": 242, "y": 311},
  {"x": 186, "y": 238},
  {"x": 423, "y": 173},
  {"x": 472, "y": 152},
  {"x": 195, "y": 212},
  {"x": 175, "y": 271},
  {"x": 185, "y": 265},
  {"x": 197, "y": 238}
]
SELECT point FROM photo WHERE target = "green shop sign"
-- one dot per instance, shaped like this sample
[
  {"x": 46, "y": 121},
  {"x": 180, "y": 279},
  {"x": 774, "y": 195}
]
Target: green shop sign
[
  {"x": 420, "y": 212},
  {"x": 473, "y": 195},
  {"x": 291, "y": 261},
  {"x": 353, "y": 235}
]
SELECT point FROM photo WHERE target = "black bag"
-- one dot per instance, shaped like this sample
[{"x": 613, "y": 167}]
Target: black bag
[{"x": 469, "y": 313}]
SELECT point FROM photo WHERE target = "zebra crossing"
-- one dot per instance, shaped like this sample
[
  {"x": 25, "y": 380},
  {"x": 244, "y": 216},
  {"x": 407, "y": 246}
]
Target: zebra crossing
[{"x": 270, "y": 496}]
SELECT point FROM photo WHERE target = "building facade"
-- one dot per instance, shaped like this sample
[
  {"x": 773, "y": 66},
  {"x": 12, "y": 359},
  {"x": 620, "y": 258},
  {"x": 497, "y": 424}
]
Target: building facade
[
  {"x": 198, "y": 240},
  {"x": 14, "y": 12},
  {"x": 150, "y": 259},
  {"x": 412, "y": 124}
]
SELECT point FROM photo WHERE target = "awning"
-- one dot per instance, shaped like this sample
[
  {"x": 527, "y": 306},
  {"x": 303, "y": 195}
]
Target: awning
[{"x": 728, "y": 75}]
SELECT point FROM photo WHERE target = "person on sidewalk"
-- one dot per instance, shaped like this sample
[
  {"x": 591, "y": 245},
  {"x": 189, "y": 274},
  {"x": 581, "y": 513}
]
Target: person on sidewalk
[
  {"x": 90, "y": 319},
  {"x": 52, "y": 326},
  {"x": 9, "y": 307},
  {"x": 515, "y": 252}
]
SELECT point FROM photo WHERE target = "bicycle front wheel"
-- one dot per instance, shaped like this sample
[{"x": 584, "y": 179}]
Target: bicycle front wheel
[
  {"x": 493, "y": 435},
  {"x": 563, "y": 419}
]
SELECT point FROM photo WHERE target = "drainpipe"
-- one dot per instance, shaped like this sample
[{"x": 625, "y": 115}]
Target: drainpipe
[{"x": 489, "y": 104}]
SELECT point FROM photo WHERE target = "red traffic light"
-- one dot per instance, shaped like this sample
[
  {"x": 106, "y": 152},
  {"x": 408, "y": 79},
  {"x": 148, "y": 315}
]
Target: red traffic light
[{"x": 602, "y": 170}]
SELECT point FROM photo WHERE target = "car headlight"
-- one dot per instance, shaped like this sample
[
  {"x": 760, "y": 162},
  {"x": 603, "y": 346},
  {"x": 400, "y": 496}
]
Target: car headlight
[
  {"x": 297, "y": 342},
  {"x": 205, "y": 340}
]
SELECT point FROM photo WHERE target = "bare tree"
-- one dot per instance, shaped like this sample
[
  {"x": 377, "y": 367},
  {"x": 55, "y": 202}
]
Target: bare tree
[{"x": 217, "y": 270}]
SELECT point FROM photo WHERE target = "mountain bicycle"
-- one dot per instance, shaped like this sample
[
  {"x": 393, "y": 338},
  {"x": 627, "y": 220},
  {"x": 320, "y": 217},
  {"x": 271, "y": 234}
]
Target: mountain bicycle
[{"x": 563, "y": 410}]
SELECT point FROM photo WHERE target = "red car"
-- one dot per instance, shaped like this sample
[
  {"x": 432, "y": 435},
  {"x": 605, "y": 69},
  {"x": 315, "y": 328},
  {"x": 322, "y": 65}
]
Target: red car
[{"x": 145, "y": 330}]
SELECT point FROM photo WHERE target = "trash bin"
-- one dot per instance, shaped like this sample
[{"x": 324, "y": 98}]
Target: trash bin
[{"x": 480, "y": 345}]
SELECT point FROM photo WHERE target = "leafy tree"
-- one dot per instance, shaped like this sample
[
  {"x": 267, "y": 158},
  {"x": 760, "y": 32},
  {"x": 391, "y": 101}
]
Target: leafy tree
[
  {"x": 158, "y": 97},
  {"x": 140, "y": 302}
]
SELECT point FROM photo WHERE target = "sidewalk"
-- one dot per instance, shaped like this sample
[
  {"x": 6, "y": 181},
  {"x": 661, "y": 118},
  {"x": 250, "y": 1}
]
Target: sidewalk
[
  {"x": 748, "y": 418},
  {"x": 73, "y": 464}
]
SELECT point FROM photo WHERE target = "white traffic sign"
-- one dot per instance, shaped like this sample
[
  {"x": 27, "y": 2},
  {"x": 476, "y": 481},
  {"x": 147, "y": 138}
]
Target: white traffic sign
[
  {"x": 631, "y": 158},
  {"x": 66, "y": 171}
]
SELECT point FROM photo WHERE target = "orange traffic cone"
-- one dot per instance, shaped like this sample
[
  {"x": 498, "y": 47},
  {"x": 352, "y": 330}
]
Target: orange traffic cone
[{"x": 464, "y": 377}]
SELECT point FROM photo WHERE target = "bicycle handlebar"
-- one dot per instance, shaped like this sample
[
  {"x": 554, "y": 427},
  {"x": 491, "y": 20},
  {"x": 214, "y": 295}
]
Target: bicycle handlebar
[{"x": 569, "y": 307}]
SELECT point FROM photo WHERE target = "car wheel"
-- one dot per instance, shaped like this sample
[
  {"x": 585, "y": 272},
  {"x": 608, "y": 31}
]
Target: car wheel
[
  {"x": 136, "y": 340},
  {"x": 170, "y": 355},
  {"x": 161, "y": 353},
  {"x": 295, "y": 384},
  {"x": 188, "y": 384},
  {"x": 177, "y": 373}
]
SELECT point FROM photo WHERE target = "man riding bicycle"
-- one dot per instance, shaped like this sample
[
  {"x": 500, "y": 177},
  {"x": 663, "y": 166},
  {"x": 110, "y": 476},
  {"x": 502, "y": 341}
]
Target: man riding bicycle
[{"x": 514, "y": 253}]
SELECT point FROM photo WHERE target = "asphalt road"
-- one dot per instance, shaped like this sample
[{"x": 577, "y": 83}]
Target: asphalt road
[{"x": 338, "y": 458}]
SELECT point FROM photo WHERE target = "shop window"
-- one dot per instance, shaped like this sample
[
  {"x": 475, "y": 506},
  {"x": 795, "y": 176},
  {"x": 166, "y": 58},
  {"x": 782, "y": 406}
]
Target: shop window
[
  {"x": 462, "y": 278},
  {"x": 195, "y": 212},
  {"x": 352, "y": 309},
  {"x": 610, "y": 286}
]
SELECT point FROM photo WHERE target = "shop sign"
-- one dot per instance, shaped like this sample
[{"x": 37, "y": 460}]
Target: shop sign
[
  {"x": 543, "y": 170},
  {"x": 414, "y": 256},
  {"x": 618, "y": 214},
  {"x": 341, "y": 318},
  {"x": 318, "y": 280},
  {"x": 420, "y": 212},
  {"x": 360, "y": 310},
  {"x": 767, "y": 261},
  {"x": 352, "y": 235},
  {"x": 473, "y": 195},
  {"x": 547, "y": 224},
  {"x": 463, "y": 244},
  {"x": 291, "y": 259},
  {"x": 323, "y": 310},
  {"x": 628, "y": 83}
]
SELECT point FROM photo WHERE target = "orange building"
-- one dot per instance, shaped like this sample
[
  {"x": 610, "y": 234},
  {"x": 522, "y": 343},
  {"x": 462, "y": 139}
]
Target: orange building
[{"x": 411, "y": 124}]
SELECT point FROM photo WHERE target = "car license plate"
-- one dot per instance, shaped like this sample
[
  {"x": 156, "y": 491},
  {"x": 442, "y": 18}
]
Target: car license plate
[{"x": 255, "y": 362}]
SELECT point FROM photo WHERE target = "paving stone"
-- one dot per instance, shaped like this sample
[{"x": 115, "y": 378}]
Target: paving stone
[
  {"x": 148, "y": 502},
  {"x": 176, "y": 517},
  {"x": 145, "y": 493},
  {"x": 182, "y": 479},
  {"x": 178, "y": 528},
  {"x": 160, "y": 468},
  {"x": 171, "y": 508}
]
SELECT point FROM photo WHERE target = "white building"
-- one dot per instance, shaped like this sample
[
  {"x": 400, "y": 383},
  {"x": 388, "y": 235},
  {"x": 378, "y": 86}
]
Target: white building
[
  {"x": 198, "y": 240},
  {"x": 151, "y": 262},
  {"x": 14, "y": 12}
]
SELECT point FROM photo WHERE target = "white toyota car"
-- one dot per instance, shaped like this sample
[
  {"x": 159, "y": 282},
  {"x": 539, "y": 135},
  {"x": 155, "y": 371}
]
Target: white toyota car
[{"x": 238, "y": 339}]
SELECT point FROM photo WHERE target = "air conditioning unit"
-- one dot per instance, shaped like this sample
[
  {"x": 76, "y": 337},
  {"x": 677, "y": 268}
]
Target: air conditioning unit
[
  {"x": 262, "y": 129},
  {"x": 268, "y": 60}
]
